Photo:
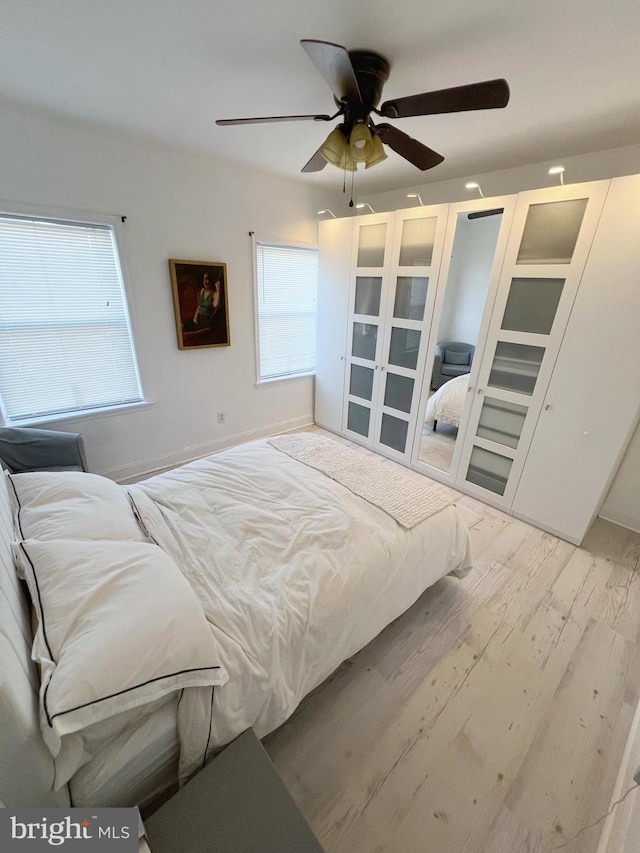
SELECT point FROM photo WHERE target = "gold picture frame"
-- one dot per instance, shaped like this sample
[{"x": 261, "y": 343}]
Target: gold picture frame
[{"x": 200, "y": 303}]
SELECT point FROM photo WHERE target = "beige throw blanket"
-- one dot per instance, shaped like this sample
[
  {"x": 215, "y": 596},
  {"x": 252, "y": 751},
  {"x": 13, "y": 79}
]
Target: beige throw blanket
[{"x": 405, "y": 495}]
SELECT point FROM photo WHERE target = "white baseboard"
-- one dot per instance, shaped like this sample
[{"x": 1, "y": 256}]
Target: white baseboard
[
  {"x": 622, "y": 517},
  {"x": 157, "y": 464}
]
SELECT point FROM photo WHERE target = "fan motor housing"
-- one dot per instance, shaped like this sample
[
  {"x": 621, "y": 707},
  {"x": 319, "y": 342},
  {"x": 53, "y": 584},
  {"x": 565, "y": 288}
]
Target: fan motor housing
[{"x": 372, "y": 72}]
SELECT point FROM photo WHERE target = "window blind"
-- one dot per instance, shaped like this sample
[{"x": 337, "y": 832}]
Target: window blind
[
  {"x": 65, "y": 338},
  {"x": 287, "y": 287}
]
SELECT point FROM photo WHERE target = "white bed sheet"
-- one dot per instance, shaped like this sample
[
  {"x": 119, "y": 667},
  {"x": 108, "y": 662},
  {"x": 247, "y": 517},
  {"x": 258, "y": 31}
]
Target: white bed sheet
[{"x": 294, "y": 572}]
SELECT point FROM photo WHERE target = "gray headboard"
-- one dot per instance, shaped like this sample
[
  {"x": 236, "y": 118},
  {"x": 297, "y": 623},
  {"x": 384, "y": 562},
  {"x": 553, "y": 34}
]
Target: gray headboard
[{"x": 26, "y": 766}]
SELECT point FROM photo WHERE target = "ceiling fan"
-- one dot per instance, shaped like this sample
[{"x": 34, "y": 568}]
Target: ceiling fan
[{"x": 356, "y": 78}]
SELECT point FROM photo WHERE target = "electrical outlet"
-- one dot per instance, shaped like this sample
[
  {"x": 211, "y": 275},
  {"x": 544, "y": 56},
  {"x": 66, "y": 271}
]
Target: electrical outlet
[{"x": 220, "y": 417}]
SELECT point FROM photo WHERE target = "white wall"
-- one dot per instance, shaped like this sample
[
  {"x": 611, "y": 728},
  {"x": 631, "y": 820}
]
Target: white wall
[
  {"x": 178, "y": 205},
  {"x": 582, "y": 167},
  {"x": 474, "y": 247},
  {"x": 622, "y": 503}
]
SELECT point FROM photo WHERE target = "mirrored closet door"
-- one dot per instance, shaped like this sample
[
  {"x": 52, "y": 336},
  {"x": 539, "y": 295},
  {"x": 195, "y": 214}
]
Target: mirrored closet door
[
  {"x": 396, "y": 263},
  {"x": 475, "y": 243},
  {"x": 547, "y": 249}
]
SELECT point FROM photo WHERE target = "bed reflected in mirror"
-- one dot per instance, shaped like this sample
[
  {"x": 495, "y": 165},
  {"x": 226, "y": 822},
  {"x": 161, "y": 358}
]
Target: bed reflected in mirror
[
  {"x": 441, "y": 422},
  {"x": 474, "y": 246}
]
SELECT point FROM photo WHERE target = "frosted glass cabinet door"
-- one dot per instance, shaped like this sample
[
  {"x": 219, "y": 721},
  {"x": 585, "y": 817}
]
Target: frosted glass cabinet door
[
  {"x": 368, "y": 285},
  {"x": 371, "y": 245},
  {"x": 358, "y": 418},
  {"x": 416, "y": 242},
  {"x": 414, "y": 264},
  {"x": 532, "y": 304},
  {"x": 501, "y": 422},
  {"x": 411, "y": 297},
  {"x": 365, "y": 340},
  {"x": 361, "y": 382},
  {"x": 489, "y": 470},
  {"x": 368, "y": 293},
  {"x": 516, "y": 367},
  {"x": 395, "y": 260},
  {"x": 548, "y": 245},
  {"x": 551, "y": 232},
  {"x": 361, "y": 375}
]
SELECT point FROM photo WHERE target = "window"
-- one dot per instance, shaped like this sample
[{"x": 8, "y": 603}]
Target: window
[
  {"x": 65, "y": 338},
  {"x": 286, "y": 281}
]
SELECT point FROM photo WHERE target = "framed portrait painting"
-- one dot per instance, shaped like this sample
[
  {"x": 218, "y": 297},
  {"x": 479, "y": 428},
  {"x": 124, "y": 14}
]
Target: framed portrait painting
[{"x": 200, "y": 303}]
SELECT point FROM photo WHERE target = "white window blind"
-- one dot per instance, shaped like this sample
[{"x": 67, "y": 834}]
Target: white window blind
[
  {"x": 287, "y": 279},
  {"x": 65, "y": 338}
]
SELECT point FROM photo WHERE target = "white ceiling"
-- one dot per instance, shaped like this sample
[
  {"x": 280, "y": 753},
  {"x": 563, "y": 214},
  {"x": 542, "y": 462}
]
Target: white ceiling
[{"x": 168, "y": 68}]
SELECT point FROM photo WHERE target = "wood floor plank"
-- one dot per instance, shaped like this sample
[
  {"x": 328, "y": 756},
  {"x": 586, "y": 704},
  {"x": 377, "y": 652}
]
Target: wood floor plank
[
  {"x": 579, "y": 588},
  {"x": 489, "y": 718},
  {"x": 381, "y": 790},
  {"x": 569, "y": 746},
  {"x": 508, "y": 835},
  {"x": 541, "y": 559}
]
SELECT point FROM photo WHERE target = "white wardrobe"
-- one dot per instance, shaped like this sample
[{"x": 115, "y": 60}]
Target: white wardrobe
[{"x": 553, "y": 393}]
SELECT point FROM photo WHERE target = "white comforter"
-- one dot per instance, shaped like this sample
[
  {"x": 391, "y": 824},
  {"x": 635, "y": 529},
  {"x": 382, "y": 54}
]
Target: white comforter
[{"x": 294, "y": 572}]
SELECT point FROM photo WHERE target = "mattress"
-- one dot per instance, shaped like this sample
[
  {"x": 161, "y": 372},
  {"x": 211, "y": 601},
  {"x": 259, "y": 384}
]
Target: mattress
[{"x": 137, "y": 766}]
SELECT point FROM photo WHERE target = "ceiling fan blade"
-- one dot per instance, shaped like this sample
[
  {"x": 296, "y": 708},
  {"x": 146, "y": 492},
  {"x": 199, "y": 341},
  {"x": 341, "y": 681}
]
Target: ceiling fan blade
[
  {"x": 488, "y": 95},
  {"x": 333, "y": 62},
  {"x": 415, "y": 152},
  {"x": 315, "y": 164},
  {"x": 265, "y": 119}
]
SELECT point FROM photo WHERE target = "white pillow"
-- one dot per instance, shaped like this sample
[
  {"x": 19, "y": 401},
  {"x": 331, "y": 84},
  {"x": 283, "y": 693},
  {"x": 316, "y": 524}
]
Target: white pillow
[
  {"x": 119, "y": 626},
  {"x": 72, "y": 505}
]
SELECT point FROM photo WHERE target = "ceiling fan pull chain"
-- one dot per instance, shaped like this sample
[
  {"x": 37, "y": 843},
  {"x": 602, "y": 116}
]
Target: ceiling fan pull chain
[{"x": 353, "y": 175}]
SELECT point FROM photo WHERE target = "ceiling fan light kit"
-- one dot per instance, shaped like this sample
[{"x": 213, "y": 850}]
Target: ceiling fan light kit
[
  {"x": 356, "y": 79},
  {"x": 334, "y": 147},
  {"x": 361, "y": 147},
  {"x": 378, "y": 154},
  {"x": 360, "y": 142}
]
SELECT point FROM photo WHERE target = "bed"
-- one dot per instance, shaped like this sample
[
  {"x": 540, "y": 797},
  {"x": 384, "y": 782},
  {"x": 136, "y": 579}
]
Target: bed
[
  {"x": 447, "y": 403},
  {"x": 168, "y": 617}
]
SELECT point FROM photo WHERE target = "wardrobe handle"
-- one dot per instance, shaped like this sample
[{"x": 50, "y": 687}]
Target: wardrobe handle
[
  {"x": 377, "y": 366},
  {"x": 479, "y": 391},
  {"x": 341, "y": 358},
  {"x": 547, "y": 407},
  {"x": 383, "y": 367}
]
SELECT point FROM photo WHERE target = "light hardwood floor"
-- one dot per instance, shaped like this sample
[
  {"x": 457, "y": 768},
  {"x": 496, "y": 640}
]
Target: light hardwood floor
[{"x": 489, "y": 718}]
